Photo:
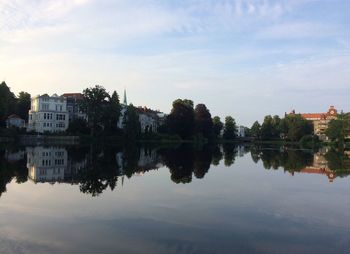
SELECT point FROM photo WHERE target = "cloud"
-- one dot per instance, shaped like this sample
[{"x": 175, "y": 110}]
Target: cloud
[{"x": 296, "y": 30}]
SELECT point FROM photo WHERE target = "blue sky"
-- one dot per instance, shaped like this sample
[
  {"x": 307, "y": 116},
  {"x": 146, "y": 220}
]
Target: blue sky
[{"x": 241, "y": 58}]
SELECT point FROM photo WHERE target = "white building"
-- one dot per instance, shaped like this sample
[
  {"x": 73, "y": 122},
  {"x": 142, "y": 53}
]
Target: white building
[
  {"x": 241, "y": 131},
  {"x": 48, "y": 114},
  {"x": 46, "y": 164},
  {"x": 15, "y": 121}
]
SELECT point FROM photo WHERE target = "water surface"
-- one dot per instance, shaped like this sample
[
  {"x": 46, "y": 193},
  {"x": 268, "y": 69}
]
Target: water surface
[{"x": 230, "y": 199}]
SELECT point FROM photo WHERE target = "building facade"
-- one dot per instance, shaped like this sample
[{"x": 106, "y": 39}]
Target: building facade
[
  {"x": 73, "y": 100},
  {"x": 320, "y": 121},
  {"x": 15, "y": 121},
  {"x": 48, "y": 114}
]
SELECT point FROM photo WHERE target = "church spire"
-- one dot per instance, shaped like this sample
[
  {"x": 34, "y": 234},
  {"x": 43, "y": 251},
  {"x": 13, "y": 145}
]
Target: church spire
[{"x": 125, "y": 102}]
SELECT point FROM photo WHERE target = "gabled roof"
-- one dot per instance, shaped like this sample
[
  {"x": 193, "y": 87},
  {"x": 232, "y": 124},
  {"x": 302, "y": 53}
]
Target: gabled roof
[{"x": 14, "y": 116}]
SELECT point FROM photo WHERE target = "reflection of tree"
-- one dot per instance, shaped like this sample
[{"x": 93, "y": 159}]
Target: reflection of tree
[
  {"x": 180, "y": 163},
  {"x": 339, "y": 162},
  {"x": 217, "y": 155},
  {"x": 290, "y": 160},
  {"x": 131, "y": 156},
  {"x": 101, "y": 171},
  {"x": 10, "y": 170},
  {"x": 202, "y": 160},
  {"x": 230, "y": 154},
  {"x": 185, "y": 160}
]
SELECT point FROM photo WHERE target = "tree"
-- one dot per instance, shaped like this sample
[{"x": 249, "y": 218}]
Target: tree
[
  {"x": 112, "y": 113},
  {"x": 338, "y": 129},
  {"x": 23, "y": 105},
  {"x": 93, "y": 104},
  {"x": 217, "y": 126},
  {"x": 255, "y": 130},
  {"x": 230, "y": 130},
  {"x": 7, "y": 103},
  {"x": 181, "y": 118},
  {"x": 266, "y": 128},
  {"x": 132, "y": 126},
  {"x": 297, "y": 127},
  {"x": 203, "y": 121}
]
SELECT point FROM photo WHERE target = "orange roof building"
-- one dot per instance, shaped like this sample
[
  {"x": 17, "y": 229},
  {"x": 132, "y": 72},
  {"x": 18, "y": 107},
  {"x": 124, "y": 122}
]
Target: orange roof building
[{"x": 320, "y": 120}]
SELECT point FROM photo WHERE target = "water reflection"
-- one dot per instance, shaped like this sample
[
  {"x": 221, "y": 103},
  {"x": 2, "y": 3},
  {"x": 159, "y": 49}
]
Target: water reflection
[{"x": 96, "y": 169}]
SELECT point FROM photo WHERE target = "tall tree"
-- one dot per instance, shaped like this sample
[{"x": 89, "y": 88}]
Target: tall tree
[
  {"x": 181, "y": 118},
  {"x": 93, "y": 104},
  {"x": 203, "y": 121},
  {"x": 132, "y": 127},
  {"x": 7, "y": 103},
  {"x": 230, "y": 129},
  {"x": 255, "y": 130},
  {"x": 217, "y": 126},
  {"x": 23, "y": 105},
  {"x": 112, "y": 113}
]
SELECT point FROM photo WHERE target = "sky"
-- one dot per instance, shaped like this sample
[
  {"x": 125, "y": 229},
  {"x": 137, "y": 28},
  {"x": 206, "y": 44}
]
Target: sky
[{"x": 245, "y": 58}]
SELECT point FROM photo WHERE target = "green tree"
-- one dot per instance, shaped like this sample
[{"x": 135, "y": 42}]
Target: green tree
[
  {"x": 132, "y": 126},
  {"x": 7, "y": 103},
  {"x": 297, "y": 127},
  {"x": 93, "y": 104},
  {"x": 255, "y": 130},
  {"x": 217, "y": 126},
  {"x": 266, "y": 128},
  {"x": 112, "y": 113},
  {"x": 203, "y": 121},
  {"x": 338, "y": 129},
  {"x": 23, "y": 105},
  {"x": 230, "y": 129},
  {"x": 181, "y": 118}
]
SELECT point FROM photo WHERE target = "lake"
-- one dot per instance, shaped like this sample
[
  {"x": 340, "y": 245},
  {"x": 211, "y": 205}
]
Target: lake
[{"x": 185, "y": 199}]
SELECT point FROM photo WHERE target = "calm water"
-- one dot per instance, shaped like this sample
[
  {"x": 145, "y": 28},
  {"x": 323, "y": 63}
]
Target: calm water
[{"x": 181, "y": 200}]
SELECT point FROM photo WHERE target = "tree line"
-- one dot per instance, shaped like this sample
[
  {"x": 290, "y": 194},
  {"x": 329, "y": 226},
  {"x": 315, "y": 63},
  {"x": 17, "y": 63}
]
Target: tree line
[
  {"x": 12, "y": 104},
  {"x": 291, "y": 127}
]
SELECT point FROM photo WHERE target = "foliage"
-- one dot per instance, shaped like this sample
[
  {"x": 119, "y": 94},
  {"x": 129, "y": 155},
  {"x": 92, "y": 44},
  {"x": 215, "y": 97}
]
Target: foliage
[
  {"x": 338, "y": 129},
  {"x": 93, "y": 104},
  {"x": 203, "y": 121},
  {"x": 181, "y": 119},
  {"x": 7, "y": 103},
  {"x": 230, "y": 129},
  {"x": 255, "y": 130},
  {"x": 217, "y": 126},
  {"x": 132, "y": 127},
  {"x": 78, "y": 127}
]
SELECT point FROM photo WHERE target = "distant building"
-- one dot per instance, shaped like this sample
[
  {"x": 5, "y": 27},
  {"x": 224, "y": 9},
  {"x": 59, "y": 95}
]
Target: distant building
[
  {"x": 48, "y": 114},
  {"x": 241, "y": 131},
  {"x": 15, "y": 121},
  {"x": 149, "y": 119},
  {"x": 320, "y": 121},
  {"x": 73, "y": 100}
]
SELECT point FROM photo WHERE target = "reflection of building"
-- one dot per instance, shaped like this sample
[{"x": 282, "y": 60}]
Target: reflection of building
[
  {"x": 320, "y": 166},
  {"x": 15, "y": 121},
  {"x": 73, "y": 100},
  {"x": 14, "y": 156},
  {"x": 320, "y": 120},
  {"x": 46, "y": 164},
  {"x": 48, "y": 114}
]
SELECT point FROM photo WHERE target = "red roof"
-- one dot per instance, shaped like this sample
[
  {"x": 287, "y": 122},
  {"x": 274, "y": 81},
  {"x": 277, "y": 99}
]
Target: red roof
[
  {"x": 314, "y": 115},
  {"x": 75, "y": 95}
]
